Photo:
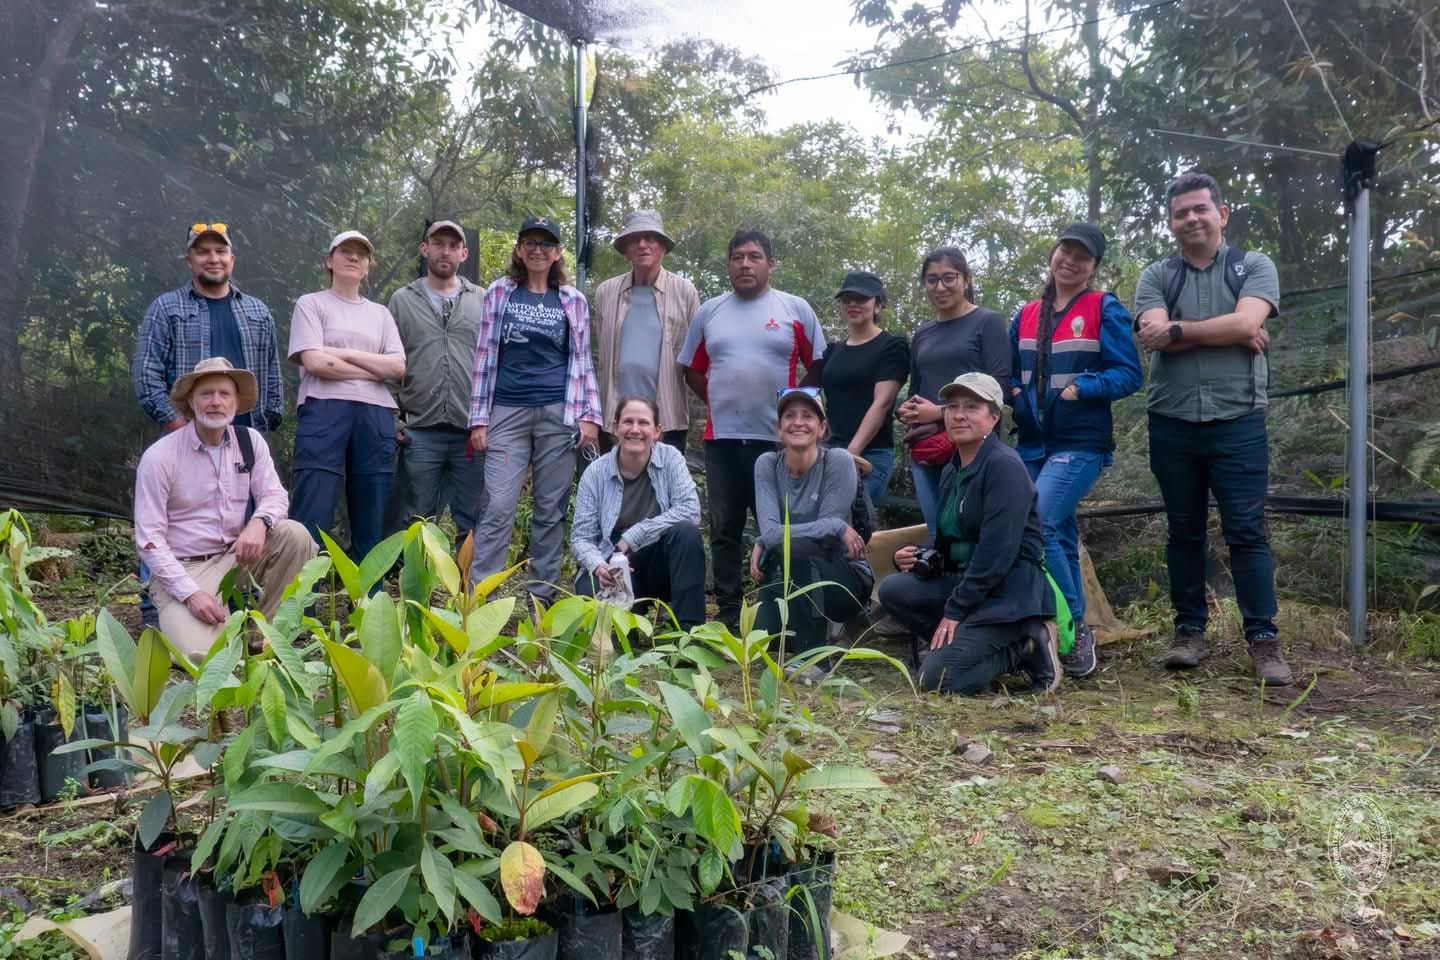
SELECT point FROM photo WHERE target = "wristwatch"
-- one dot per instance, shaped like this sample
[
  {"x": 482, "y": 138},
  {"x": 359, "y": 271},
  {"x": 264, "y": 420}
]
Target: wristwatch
[
  {"x": 269, "y": 524},
  {"x": 1175, "y": 333}
]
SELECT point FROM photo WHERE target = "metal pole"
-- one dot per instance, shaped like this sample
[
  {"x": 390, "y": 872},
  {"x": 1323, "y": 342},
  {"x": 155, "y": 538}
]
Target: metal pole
[
  {"x": 1358, "y": 373},
  {"x": 579, "y": 162}
]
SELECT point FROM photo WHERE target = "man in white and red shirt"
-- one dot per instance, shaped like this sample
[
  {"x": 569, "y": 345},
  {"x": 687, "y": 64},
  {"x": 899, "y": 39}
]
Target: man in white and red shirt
[
  {"x": 742, "y": 349},
  {"x": 192, "y": 491}
]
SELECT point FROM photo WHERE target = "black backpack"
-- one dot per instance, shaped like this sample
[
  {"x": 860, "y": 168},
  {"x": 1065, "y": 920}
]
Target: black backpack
[{"x": 1175, "y": 278}]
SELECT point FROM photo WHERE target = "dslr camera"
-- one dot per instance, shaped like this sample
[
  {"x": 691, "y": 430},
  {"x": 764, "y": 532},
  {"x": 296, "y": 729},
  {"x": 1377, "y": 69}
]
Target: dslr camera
[{"x": 928, "y": 563}]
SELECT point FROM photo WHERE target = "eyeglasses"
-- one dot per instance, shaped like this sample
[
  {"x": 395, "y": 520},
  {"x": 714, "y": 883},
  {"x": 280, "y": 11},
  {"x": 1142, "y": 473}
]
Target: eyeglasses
[
  {"x": 530, "y": 246},
  {"x": 219, "y": 228},
  {"x": 943, "y": 279},
  {"x": 812, "y": 392}
]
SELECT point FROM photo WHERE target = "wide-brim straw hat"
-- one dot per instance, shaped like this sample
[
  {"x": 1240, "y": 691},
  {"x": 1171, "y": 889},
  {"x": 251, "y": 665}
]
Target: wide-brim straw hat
[{"x": 246, "y": 390}]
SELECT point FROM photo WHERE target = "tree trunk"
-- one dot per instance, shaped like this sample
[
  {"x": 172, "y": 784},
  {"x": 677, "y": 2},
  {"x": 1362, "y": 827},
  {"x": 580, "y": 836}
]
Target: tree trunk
[{"x": 25, "y": 114}]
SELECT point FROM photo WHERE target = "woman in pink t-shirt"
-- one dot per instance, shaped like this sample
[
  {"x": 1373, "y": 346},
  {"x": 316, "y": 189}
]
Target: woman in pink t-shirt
[{"x": 347, "y": 348}]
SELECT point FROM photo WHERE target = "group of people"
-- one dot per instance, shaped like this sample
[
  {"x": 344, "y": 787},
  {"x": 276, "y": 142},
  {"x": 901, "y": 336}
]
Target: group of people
[{"x": 455, "y": 396}]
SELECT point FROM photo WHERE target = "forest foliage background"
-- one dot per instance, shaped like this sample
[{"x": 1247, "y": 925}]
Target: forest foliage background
[{"x": 122, "y": 122}]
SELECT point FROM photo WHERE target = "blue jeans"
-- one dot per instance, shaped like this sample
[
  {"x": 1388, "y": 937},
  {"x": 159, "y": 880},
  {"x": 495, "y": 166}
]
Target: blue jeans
[
  {"x": 927, "y": 491},
  {"x": 1231, "y": 459},
  {"x": 350, "y": 446},
  {"x": 433, "y": 471},
  {"x": 1062, "y": 480},
  {"x": 882, "y": 462}
]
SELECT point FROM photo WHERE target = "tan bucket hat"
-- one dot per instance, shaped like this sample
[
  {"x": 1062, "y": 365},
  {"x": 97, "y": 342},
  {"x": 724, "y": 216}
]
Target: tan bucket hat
[
  {"x": 246, "y": 391},
  {"x": 643, "y": 221}
]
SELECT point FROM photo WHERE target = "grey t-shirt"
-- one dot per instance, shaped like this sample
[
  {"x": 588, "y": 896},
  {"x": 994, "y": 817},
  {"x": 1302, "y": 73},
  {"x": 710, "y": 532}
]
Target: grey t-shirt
[
  {"x": 442, "y": 302},
  {"x": 819, "y": 500},
  {"x": 639, "y": 366},
  {"x": 1208, "y": 383},
  {"x": 637, "y": 503},
  {"x": 943, "y": 349}
]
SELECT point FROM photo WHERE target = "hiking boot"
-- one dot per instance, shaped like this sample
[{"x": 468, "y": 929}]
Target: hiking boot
[
  {"x": 1041, "y": 659},
  {"x": 1270, "y": 666},
  {"x": 1081, "y": 661},
  {"x": 888, "y": 626},
  {"x": 1187, "y": 649}
]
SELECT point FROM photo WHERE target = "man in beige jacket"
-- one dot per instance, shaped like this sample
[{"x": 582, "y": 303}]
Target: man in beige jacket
[{"x": 641, "y": 319}]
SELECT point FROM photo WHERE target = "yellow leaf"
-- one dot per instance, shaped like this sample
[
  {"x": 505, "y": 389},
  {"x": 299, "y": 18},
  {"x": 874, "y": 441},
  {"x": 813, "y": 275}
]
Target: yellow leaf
[
  {"x": 522, "y": 875},
  {"x": 488, "y": 585}
]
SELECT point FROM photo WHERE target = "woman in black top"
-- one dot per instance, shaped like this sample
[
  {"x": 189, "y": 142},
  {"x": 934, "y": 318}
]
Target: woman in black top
[
  {"x": 981, "y": 597},
  {"x": 962, "y": 338},
  {"x": 862, "y": 375}
]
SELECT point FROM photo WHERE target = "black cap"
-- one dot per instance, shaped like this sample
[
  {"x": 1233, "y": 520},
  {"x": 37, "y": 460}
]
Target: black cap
[
  {"x": 541, "y": 225},
  {"x": 864, "y": 283},
  {"x": 1088, "y": 236}
]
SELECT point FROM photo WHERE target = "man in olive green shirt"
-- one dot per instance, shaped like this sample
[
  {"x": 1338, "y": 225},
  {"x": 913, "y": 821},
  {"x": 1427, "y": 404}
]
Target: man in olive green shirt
[
  {"x": 438, "y": 317},
  {"x": 1202, "y": 315}
]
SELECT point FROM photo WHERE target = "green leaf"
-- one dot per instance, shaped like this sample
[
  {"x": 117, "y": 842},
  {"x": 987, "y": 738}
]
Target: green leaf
[
  {"x": 688, "y": 717},
  {"x": 205, "y": 754},
  {"x": 379, "y": 560},
  {"x": 153, "y": 819},
  {"x": 381, "y": 774},
  {"x": 836, "y": 777},
  {"x": 218, "y": 672},
  {"x": 542, "y": 722},
  {"x": 507, "y": 692},
  {"x": 796, "y": 764},
  {"x": 236, "y": 757},
  {"x": 439, "y": 555},
  {"x": 62, "y": 695},
  {"x": 711, "y": 871},
  {"x": 278, "y": 797},
  {"x": 272, "y": 705},
  {"x": 547, "y": 808},
  {"x": 344, "y": 568},
  {"x": 488, "y": 586},
  {"x": 207, "y": 843},
  {"x": 323, "y": 875},
  {"x": 477, "y": 896},
  {"x": 118, "y": 651},
  {"x": 451, "y": 634},
  {"x": 379, "y": 900},
  {"x": 439, "y": 878},
  {"x": 364, "y": 686},
  {"x": 714, "y": 813},
  {"x": 380, "y": 639},
  {"x": 152, "y": 669},
  {"x": 484, "y": 625},
  {"x": 415, "y": 732}
]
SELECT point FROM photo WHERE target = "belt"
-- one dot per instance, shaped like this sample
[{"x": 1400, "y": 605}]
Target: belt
[{"x": 203, "y": 557}]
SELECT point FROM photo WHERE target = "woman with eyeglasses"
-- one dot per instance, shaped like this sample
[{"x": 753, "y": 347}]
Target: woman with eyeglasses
[
  {"x": 811, "y": 487},
  {"x": 979, "y": 597},
  {"x": 348, "y": 349},
  {"x": 862, "y": 375},
  {"x": 1073, "y": 356},
  {"x": 962, "y": 338},
  {"x": 639, "y": 500},
  {"x": 535, "y": 397}
]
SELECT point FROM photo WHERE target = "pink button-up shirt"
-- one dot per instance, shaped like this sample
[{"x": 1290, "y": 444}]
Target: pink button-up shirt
[{"x": 186, "y": 507}]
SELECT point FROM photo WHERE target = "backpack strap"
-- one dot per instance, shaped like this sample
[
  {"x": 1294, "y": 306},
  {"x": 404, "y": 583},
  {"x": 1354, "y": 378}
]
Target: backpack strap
[
  {"x": 1234, "y": 271},
  {"x": 246, "y": 444},
  {"x": 1174, "y": 283}
]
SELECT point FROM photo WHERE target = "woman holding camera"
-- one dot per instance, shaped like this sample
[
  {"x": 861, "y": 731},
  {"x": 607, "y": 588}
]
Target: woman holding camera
[
  {"x": 812, "y": 487},
  {"x": 640, "y": 501},
  {"x": 983, "y": 602}
]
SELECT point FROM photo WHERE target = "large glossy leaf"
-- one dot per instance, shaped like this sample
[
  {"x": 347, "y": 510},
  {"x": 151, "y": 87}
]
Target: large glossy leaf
[
  {"x": 477, "y": 895},
  {"x": 522, "y": 876},
  {"x": 380, "y": 635},
  {"x": 415, "y": 731},
  {"x": 381, "y": 774},
  {"x": 714, "y": 814},
  {"x": 379, "y": 900},
  {"x": 272, "y": 705},
  {"x": 62, "y": 695},
  {"x": 542, "y": 722},
  {"x": 153, "y": 818},
  {"x": 118, "y": 651},
  {"x": 323, "y": 875},
  {"x": 345, "y": 568},
  {"x": 218, "y": 672},
  {"x": 835, "y": 777},
  {"x": 439, "y": 878},
  {"x": 484, "y": 625},
  {"x": 688, "y": 717},
  {"x": 438, "y": 553},
  {"x": 379, "y": 560},
  {"x": 363, "y": 684},
  {"x": 550, "y": 806},
  {"x": 711, "y": 870},
  {"x": 152, "y": 669},
  {"x": 453, "y": 636},
  {"x": 237, "y": 755},
  {"x": 507, "y": 692},
  {"x": 488, "y": 586},
  {"x": 278, "y": 797}
]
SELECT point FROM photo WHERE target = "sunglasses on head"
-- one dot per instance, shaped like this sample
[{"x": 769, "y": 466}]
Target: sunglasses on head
[
  {"x": 812, "y": 392},
  {"x": 219, "y": 228}
]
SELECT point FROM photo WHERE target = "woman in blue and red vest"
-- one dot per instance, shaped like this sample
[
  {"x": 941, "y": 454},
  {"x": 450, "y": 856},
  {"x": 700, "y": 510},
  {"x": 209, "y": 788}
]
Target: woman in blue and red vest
[{"x": 1072, "y": 356}]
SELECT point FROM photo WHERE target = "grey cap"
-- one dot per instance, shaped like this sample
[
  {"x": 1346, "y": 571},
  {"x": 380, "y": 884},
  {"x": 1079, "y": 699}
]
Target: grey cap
[
  {"x": 643, "y": 221},
  {"x": 977, "y": 384}
]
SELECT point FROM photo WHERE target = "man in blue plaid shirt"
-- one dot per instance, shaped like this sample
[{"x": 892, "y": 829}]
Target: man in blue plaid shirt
[{"x": 208, "y": 317}]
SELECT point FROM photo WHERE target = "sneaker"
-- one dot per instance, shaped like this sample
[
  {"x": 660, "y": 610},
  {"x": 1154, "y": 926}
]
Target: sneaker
[
  {"x": 1081, "y": 660},
  {"x": 1270, "y": 665},
  {"x": 1041, "y": 660},
  {"x": 1187, "y": 649}
]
